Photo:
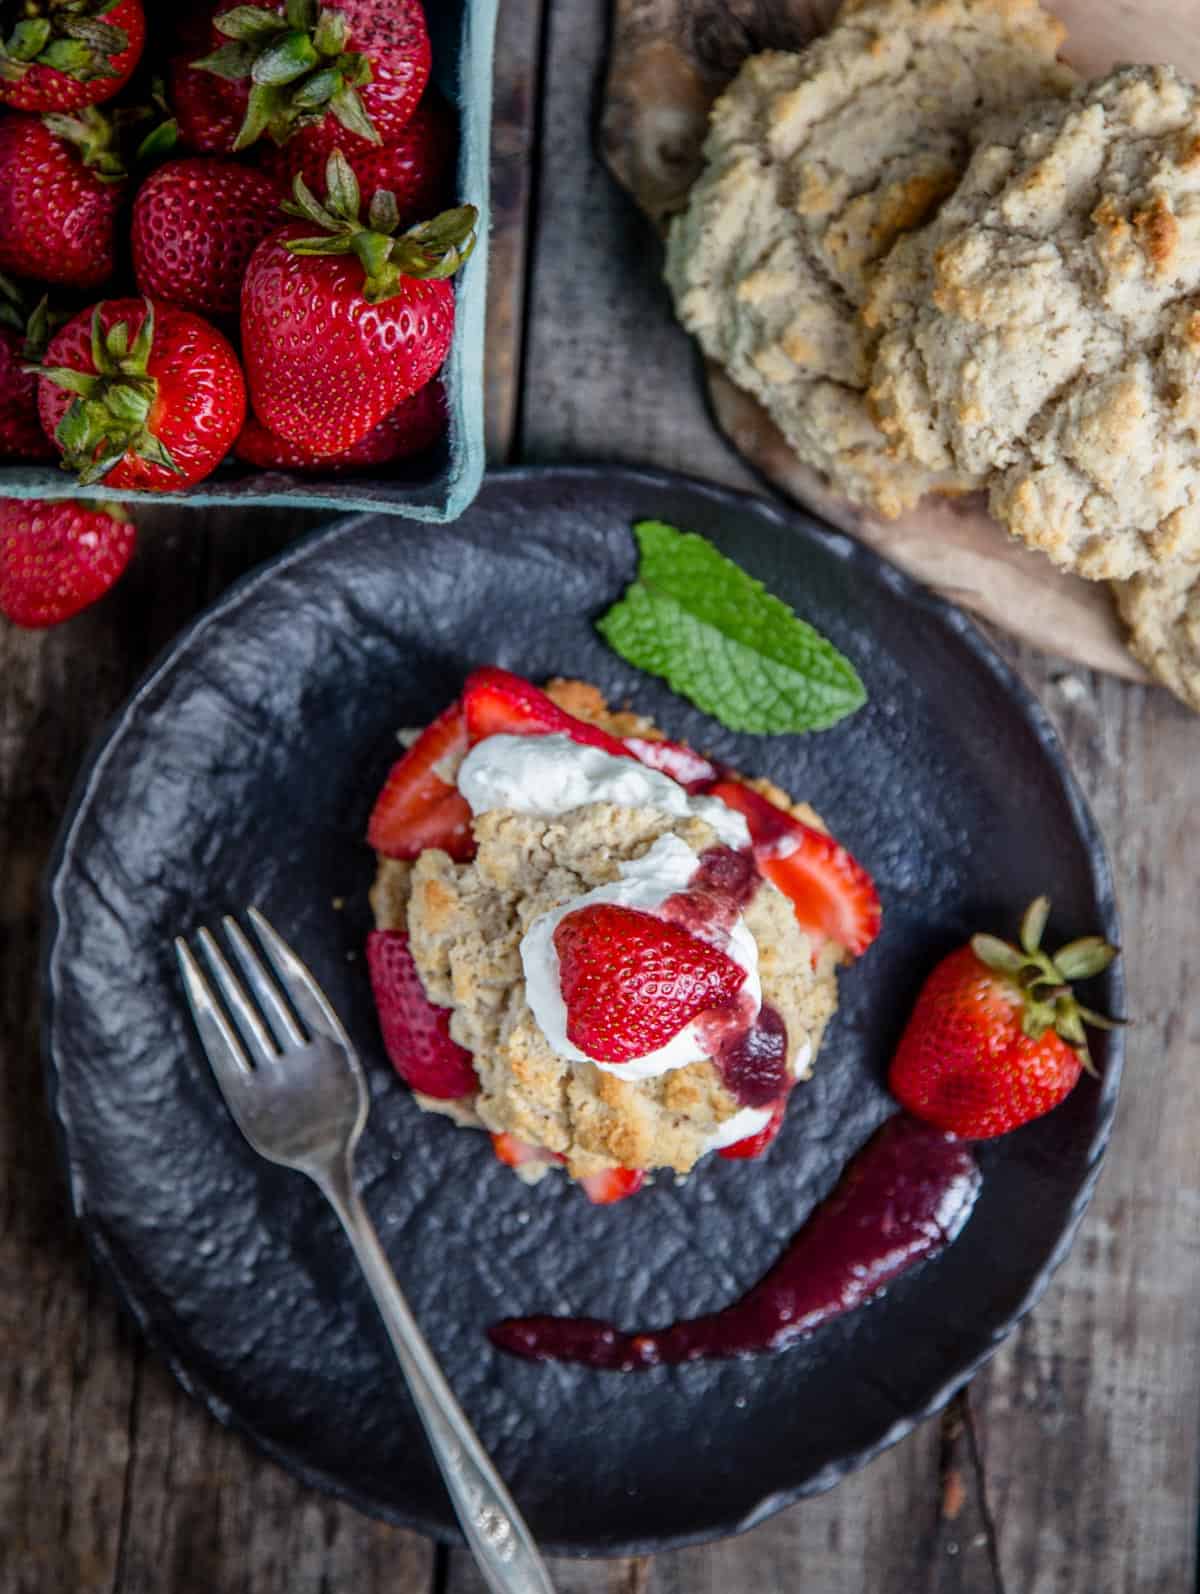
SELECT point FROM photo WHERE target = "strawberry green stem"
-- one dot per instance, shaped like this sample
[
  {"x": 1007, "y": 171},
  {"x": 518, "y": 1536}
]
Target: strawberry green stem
[
  {"x": 432, "y": 249},
  {"x": 69, "y": 36},
  {"x": 113, "y": 405},
  {"x": 298, "y": 66}
]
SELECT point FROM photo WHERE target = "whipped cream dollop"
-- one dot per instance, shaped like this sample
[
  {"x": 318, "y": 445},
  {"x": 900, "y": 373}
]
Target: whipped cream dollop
[
  {"x": 549, "y": 775},
  {"x": 645, "y": 883}
]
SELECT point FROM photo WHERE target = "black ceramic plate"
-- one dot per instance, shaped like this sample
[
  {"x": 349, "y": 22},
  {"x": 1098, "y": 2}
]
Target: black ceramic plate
[{"x": 242, "y": 771}]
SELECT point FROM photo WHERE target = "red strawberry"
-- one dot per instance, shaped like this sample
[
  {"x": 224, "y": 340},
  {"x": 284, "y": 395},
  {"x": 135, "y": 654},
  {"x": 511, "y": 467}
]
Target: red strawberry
[
  {"x": 332, "y": 345},
  {"x": 416, "y": 1034},
  {"x": 65, "y": 54},
  {"x": 498, "y": 703},
  {"x": 412, "y": 428},
  {"x": 614, "y": 1184},
  {"x": 195, "y": 225},
  {"x": 140, "y": 395},
  {"x": 996, "y": 1037},
  {"x": 208, "y": 112},
  {"x": 514, "y": 1153},
  {"x": 833, "y": 895},
  {"x": 631, "y": 982},
  {"x": 417, "y": 807},
  {"x": 60, "y": 186},
  {"x": 694, "y": 773},
  {"x": 23, "y": 337},
  {"x": 346, "y": 74},
  {"x": 57, "y": 558},
  {"x": 755, "y": 1145},
  {"x": 417, "y": 168}
]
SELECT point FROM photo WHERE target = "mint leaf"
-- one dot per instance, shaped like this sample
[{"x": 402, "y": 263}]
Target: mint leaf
[{"x": 720, "y": 639}]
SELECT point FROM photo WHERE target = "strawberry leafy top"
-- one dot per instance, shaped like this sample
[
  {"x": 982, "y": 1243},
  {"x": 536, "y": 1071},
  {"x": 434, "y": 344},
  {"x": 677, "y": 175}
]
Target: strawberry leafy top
[
  {"x": 298, "y": 66},
  {"x": 68, "y": 36}
]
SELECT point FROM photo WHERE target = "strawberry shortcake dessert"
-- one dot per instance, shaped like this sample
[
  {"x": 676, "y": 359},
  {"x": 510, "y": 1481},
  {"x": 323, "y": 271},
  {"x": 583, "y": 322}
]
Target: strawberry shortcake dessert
[{"x": 610, "y": 953}]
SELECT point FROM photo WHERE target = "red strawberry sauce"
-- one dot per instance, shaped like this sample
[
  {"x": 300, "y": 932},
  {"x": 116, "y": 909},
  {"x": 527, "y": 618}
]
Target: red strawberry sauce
[{"x": 904, "y": 1197}]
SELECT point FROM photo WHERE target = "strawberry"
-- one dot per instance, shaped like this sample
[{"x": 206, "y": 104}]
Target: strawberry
[
  {"x": 346, "y": 74},
  {"x": 412, "y": 428},
  {"x": 417, "y": 807},
  {"x": 514, "y": 1153},
  {"x": 416, "y": 169},
  {"x": 195, "y": 225},
  {"x": 23, "y": 337},
  {"x": 496, "y": 702},
  {"x": 833, "y": 895},
  {"x": 57, "y": 558},
  {"x": 996, "y": 1037},
  {"x": 416, "y": 1034},
  {"x": 61, "y": 181},
  {"x": 755, "y": 1145},
  {"x": 140, "y": 395},
  {"x": 676, "y": 759},
  {"x": 613, "y": 1184},
  {"x": 208, "y": 111},
  {"x": 65, "y": 54},
  {"x": 631, "y": 981},
  {"x": 338, "y": 330}
]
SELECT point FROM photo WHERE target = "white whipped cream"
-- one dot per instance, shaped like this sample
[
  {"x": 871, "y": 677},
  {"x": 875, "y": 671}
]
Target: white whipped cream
[
  {"x": 550, "y": 775},
  {"x": 741, "y": 1126},
  {"x": 645, "y": 884}
]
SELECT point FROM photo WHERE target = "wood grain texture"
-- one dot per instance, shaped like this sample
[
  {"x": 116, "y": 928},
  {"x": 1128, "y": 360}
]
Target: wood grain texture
[{"x": 669, "y": 60}]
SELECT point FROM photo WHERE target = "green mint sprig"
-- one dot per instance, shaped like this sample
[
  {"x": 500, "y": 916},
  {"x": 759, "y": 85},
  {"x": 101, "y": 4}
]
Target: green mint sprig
[{"x": 720, "y": 639}]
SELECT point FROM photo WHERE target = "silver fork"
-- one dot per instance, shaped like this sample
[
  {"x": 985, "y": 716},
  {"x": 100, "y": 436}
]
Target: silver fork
[{"x": 301, "y": 1101}]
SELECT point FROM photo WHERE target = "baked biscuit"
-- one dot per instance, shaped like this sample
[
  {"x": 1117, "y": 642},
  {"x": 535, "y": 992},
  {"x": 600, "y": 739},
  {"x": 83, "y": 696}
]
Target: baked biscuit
[
  {"x": 815, "y": 163},
  {"x": 1041, "y": 336},
  {"x": 1162, "y": 611}
]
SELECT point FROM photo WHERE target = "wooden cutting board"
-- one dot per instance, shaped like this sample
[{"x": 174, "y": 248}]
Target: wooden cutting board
[{"x": 669, "y": 61}]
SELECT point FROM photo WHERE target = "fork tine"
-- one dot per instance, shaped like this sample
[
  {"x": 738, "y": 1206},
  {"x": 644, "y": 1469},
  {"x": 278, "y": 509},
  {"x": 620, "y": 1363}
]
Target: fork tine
[
  {"x": 279, "y": 1015},
  {"x": 307, "y": 996},
  {"x": 221, "y": 1046},
  {"x": 253, "y": 1031}
]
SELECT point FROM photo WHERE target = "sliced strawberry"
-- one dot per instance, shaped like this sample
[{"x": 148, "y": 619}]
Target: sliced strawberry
[
  {"x": 418, "y": 808},
  {"x": 631, "y": 981},
  {"x": 755, "y": 1145},
  {"x": 613, "y": 1184},
  {"x": 833, "y": 895},
  {"x": 416, "y": 1034},
  {"x": 514, "y": 1153},
  {"x": 693, "y": 772},
  {"x": 498, "y": 703}
]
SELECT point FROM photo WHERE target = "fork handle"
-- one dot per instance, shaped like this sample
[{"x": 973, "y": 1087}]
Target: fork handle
[{"x": 495, "y": 1530}]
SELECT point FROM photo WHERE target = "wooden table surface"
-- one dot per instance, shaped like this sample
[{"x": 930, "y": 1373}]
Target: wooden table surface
[{"x": 1069, "y": 1467}]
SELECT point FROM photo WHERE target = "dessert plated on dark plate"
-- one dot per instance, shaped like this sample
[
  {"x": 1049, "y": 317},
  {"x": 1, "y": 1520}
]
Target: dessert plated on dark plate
[{"x": 243, "y": 770}]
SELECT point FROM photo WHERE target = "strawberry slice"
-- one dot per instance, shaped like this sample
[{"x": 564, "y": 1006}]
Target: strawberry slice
[
  {"x": 631, "y": 981},
  {"x": 613, "y": 1184},
  {"x": 755, "y": 1145},
  {"x": 514, "y": 1153},
  {"x": 833, "y": 895},
  {"x": 498, "y": 703},
  {"x": 417, "y": 807},
  {"x": 416, "y": 1034},
  {"x": 693, "y": 772}
]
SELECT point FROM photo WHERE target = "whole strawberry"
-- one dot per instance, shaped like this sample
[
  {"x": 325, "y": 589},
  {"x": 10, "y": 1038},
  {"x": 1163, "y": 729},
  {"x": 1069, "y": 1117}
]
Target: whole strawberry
[
  {"x": 64, "y": 54},
  {"x": 61, "y": 181},
  {"x": 57, "y": 558},
  {"x": 997, "y": 1038},
  {"x": 195, "y": 225},
  {"x": 24, "y": 334},
  {"x": 141, "y": 396},
  {"x": 412, "y": 428},
  {"x": 339, "y": 329},
  {"x": 356, "y": 69},
  {"x": 417, "y": 168}
]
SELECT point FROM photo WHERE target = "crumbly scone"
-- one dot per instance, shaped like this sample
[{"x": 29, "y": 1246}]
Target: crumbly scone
[
  {"x": 815, "y": 162},
  {"x": 1162, "y": 611},
  {"x": 1041, "y": 336},
  {"x": 466, "y": 921}
]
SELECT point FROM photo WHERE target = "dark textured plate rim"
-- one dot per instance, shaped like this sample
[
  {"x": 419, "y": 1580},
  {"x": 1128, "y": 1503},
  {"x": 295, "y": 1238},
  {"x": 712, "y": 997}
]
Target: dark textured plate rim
[{"x": 905, "y": 590}]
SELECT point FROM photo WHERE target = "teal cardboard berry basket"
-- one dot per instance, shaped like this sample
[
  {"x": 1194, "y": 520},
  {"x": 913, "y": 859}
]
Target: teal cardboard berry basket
[{"x": 440, "y": 486}]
